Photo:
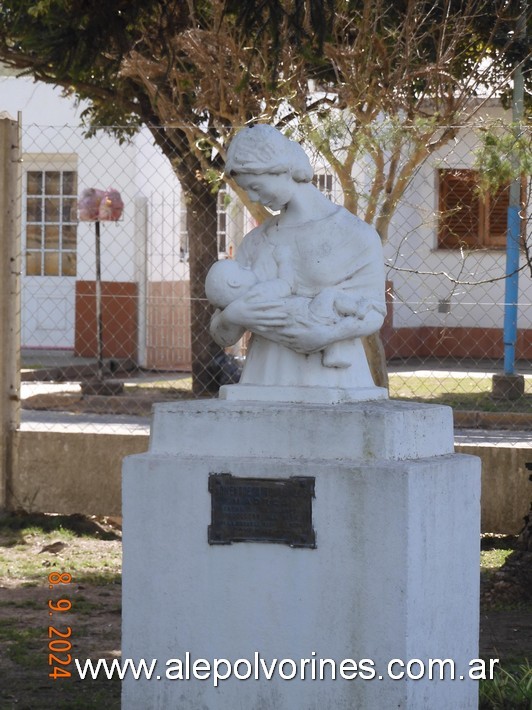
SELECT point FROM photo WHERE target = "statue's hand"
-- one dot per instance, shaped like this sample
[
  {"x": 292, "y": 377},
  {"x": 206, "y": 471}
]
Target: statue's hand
[
  {"x": 256, "y": 315},
  {"x": 305, "y": 337}
]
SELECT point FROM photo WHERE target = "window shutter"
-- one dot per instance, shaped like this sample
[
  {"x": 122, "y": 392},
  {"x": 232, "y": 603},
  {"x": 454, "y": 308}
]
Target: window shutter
[{"x": 460, "y": 209}]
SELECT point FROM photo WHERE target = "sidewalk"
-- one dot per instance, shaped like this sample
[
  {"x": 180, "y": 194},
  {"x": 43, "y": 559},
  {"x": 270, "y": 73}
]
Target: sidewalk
[{"x": 132, "y": 414}]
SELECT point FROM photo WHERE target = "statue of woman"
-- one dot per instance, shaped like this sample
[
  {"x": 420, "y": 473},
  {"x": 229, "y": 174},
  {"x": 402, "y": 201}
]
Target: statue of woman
[{"x": 319, "y": 249}]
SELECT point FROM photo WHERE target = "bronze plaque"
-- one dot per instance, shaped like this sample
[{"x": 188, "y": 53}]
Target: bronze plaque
[{"x": 261, "y": 510}]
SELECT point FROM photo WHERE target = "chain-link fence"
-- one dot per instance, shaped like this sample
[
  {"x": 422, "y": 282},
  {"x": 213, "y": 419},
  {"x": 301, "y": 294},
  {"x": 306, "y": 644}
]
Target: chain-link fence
[{"x": 111, "y": 317}]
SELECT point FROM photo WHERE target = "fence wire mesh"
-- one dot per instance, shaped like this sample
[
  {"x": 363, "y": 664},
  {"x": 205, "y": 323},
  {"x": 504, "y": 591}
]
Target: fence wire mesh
[{"x": 444, "y": 236}]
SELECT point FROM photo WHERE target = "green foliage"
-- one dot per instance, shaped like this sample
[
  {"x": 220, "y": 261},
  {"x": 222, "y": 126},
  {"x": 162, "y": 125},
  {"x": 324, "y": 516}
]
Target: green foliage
[
  {"x": 78, "y": 45},
  {"x": 131, "y": 60},
  {"x": 67, "y": 35},
  {"x": 510, "y": 689},
  {"x": 108, "y": 119},
  {"x": 214, "y": 178},
  {"x": 505, "y": 154},
  {"x": 308, "y": 25},
  {"x": 82, "y": 44}
]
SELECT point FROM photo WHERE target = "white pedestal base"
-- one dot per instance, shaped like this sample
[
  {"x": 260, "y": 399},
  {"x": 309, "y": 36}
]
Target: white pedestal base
[
  {"x": 312, "y": 395},
  {"x": 395, "y": 574}
]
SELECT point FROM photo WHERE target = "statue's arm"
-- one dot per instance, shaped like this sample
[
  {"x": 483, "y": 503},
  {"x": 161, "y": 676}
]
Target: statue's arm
[
  {"x": 305, "y": 336},
  {"x": 223, "y": 332},
  {"x": 255, "y": 312},
  {"x": 354, "y": 327}
]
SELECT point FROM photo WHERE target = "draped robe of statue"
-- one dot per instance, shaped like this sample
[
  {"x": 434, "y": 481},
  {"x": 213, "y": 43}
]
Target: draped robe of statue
[{"x": 339, "y": 251}]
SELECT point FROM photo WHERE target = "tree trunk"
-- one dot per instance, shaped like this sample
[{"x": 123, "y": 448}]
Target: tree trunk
[
  {"x": 201, "y": 210},
  {"x": 376, "y": 359},
  {"x": 203, "y": 252}
]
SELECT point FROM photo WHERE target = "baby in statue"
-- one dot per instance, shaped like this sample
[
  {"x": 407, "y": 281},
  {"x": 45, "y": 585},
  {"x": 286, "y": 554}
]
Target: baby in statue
[{"x": 228, "y": 280}]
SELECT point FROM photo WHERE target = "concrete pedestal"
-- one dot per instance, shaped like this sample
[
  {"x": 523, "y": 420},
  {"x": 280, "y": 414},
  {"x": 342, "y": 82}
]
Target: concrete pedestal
[{"x": 395, "y": 572}]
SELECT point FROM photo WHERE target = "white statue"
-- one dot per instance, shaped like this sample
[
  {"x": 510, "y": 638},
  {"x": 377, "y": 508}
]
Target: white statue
[{"x": 308, "y": 282}]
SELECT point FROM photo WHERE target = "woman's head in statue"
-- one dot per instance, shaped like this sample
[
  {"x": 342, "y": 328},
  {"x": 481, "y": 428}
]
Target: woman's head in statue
[{"x": 267, "y": 165}]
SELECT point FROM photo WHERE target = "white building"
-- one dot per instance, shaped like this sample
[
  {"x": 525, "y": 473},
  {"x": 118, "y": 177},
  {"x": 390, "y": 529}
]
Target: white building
[
  {"x": 448, "y": 273},
  {"x": 59, "y": 263}
]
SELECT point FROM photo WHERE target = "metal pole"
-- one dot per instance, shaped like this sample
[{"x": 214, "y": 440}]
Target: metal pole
[
  {"x": 513, "y": 235},
  {"x": 10, "y": 158},
  {"x": 141, "y": 268},
  {"x": 99, "y": 328}
]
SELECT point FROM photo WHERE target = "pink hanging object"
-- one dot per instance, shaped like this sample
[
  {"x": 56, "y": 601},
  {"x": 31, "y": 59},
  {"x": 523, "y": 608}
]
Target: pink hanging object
[
  {"x": 111, "y": 206},
  {"x": 89, "y": 204}
]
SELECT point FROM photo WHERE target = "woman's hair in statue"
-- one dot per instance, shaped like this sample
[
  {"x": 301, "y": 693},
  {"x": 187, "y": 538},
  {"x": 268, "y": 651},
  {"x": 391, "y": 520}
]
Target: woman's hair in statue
[{"x": 263, "y": 149}]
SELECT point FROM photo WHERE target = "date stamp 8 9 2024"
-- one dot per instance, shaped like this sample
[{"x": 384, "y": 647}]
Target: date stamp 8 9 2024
[{"x": 59, "y": 644}]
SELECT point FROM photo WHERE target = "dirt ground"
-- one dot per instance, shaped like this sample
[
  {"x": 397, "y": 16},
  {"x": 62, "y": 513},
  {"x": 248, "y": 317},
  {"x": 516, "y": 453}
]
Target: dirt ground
[
  {"x": 506, "y": 633},
  {"x": 24, "y": 667},
  {"x": 90, "y": 551}
]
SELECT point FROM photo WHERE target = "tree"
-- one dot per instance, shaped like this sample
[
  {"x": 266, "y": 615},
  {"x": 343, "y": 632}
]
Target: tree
[
  {"x": 388, "y": 80},
  {"x": 409, "y": 74},
  {"x": 155, "y": 62}
]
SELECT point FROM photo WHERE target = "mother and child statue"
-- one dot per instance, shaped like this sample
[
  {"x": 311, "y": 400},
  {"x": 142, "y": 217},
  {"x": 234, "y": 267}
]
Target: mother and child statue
[{"x": 308, "y": 282}]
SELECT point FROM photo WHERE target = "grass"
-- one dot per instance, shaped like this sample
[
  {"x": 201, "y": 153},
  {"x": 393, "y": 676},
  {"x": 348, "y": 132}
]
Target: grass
[
  {"x": 464, "y": 393},
  {"x": 491, "y": 560},
  {"x": 510, "y": 688},
  {"x": 77, "y": 524},
  {"x": 27, "y": 604},
  {"x": 24, "y": 555},
  {"x": 175, "y": 384},
  {"x": 24, "y": 647},
  {"x": 85, "y": 565},
  {"x": 494, "y": 549},
  {"x": 92, "y": 555}
]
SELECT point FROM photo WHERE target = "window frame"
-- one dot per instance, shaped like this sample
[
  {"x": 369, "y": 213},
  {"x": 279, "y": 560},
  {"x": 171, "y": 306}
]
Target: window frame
[
  {"x": 323, "y": 179},
  {"x": 222, "y": 220},
  {"x": 53, "y": 246}
]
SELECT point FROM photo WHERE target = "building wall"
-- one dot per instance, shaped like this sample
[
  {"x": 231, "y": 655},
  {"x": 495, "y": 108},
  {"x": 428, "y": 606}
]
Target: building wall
[
  {"x": 168, "y": 325},
  {"x": 477, "y": 301},
  {"x": 48, "y": 477},
  {"x": 119, "y": 319}
]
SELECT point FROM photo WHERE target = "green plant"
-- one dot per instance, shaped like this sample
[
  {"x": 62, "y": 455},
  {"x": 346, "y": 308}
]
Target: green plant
[
  {"x": 493, "y": 559},
  {"x": 510, "y": 688},
  {"x": 23, "y": 646},
  {"x": 503, "y": 155}
]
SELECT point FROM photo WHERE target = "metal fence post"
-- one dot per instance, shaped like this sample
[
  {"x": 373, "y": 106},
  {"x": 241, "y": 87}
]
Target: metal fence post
[
  {"x": 141, "y": 274},
  {"x": 9, "y": 298}
]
